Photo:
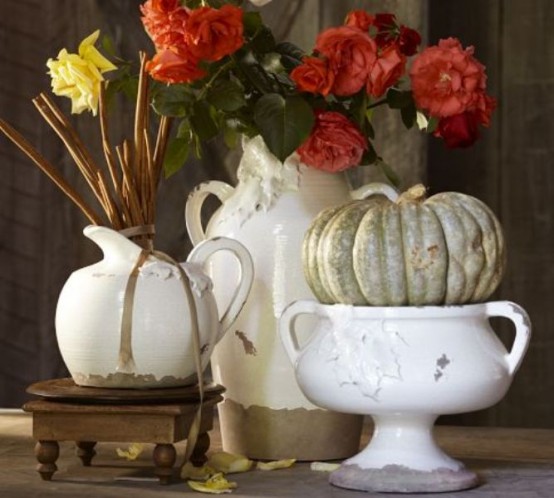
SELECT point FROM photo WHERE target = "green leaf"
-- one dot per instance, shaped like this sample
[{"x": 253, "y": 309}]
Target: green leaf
[
  {"x": 398, "y": 99},
  {"x": 291, "y": 55},
  {"x": 369, "y": 156},
  {"x": 230, "y": 134},
  {"x": 284, "y": 123},
  {"x": 389, "y": 173},
  {"x": 173, "y": 101},
  {"x": 203, "y": 122},
  {"x": 358, "y": 108},
  {"x": 263, "y": 41},
  {"x": 184, "y": 130},
  {"x": 432, "y": 124},
  {"x": 227, "y": 95},
  {"x": 252, "y": 23},
  {"x": 255, "y": 74},
  {"x": 108, "y": 45},
  {"x": 409, "y": 115},
  {"x": 368, "y": 130},
  {"x": 176, "y": 155}
]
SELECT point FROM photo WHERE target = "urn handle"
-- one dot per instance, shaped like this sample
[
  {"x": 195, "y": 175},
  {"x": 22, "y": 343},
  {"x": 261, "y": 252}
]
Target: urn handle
[
  {"x": 204, "y": 250},
  {"x": 522, "y": 323},
  {"x": 193, "y": 209},
  {"x": 287, "y": 326}
]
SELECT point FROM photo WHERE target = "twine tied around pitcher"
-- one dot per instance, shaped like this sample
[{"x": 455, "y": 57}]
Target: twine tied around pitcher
[{"x": 126, "y": 361}]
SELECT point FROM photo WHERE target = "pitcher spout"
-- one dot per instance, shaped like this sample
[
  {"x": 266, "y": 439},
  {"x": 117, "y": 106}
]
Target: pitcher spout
[{"x": 117, "y": 248}]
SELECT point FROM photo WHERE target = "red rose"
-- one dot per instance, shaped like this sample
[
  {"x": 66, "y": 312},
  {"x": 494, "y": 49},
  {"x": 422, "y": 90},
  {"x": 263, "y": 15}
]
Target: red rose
[
  {"x": 335, "y": 143},
  {"x": 172, "y": 67},
  {"x": 386, "y": 71},
  {"x": 359, "y": 19},
  {"x": 385, "y": 21},
  {"x": 164, "y": 21},
  {"x": 460, "y": 130},
  {"x": 408, "y": 40},
  {"x": 447, "y": 80},
  {"x": 313, "y": 76},
  {"x": 351, "y": 54},
  {"x": 214, "y": 33}
]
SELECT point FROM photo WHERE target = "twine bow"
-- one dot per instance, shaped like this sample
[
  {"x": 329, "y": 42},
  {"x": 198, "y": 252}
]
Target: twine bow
[{"x": 126, "y": 361}]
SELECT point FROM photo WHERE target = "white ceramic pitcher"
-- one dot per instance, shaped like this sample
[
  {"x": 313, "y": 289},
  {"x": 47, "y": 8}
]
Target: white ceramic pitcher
[{"x": 90, "y": 309}]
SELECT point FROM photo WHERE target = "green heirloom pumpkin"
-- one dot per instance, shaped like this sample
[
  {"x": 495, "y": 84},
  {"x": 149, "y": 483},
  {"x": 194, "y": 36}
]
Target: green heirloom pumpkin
[{"x": 448, "y": 249}]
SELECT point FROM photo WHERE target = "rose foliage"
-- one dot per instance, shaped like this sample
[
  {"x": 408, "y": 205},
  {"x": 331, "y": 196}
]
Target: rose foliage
[{"x": 217, "y": 69}]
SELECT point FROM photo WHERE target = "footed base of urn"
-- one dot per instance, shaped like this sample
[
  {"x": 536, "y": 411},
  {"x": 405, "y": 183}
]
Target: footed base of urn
[
  {"x": 400, "y": 479},
  {"x": 262, "y": 433}
]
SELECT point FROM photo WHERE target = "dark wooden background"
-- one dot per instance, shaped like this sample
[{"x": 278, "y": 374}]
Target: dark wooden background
[{"x": 510, "y": 168}]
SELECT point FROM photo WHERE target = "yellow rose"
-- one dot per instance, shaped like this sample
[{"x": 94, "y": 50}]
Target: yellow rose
[{"x": 78, "y": 76}]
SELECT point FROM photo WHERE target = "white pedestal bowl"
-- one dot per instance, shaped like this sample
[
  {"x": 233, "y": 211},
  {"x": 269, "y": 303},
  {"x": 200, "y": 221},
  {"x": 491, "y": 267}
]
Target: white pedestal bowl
[{"x": 404, "y": 366}]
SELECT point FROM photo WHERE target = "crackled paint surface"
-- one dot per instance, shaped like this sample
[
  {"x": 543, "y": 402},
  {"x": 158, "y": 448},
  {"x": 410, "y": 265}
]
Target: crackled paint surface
[{"x": 362, "y": 354}]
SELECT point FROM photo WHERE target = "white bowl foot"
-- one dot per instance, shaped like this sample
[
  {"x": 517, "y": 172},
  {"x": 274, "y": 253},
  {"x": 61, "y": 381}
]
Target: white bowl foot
[
  {"x": 400, "y": 479},
  {"x": 403, "y": 457}
]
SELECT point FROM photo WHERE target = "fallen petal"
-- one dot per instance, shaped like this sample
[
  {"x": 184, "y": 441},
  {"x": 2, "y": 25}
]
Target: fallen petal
[
  {"x": 131, "y": 453},
  {"x": 189, "y": 471},
  {"x": 216, "y": 485},
  {"x": 324, "y": 466},
  {"x": 229, "y": 463},
  {"x": 276, "y": 464}
]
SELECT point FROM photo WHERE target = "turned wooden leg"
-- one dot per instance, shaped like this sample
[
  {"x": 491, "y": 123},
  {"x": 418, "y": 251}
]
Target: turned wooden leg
[
  {"x": 85, "y": 451},
  {"x": 47, "y": 453},
  {"x": 164, "y": 459},
  {"x": 198, "y": 457}
]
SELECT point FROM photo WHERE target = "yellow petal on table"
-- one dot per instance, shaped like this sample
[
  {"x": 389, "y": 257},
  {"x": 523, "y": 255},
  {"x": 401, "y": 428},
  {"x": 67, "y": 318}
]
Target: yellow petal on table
[
  {"x": 324, "y": 466},
  {"x": 276, "y": 464},
  {"x": 229, "y": 463},
  {"x": 189, "y": 471},
  {"x": 215, "y": 485},
  {"x": 132, "y": 452}
]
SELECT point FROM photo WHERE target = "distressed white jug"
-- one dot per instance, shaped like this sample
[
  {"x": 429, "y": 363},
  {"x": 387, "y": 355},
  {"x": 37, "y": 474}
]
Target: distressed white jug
[
  {"x": 90, "y": 309},
  {"x": 269, "y": 212}
]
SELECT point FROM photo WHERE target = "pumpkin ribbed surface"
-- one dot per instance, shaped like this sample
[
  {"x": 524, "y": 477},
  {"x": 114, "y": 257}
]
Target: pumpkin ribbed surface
[{"x": 448, "y": 249}]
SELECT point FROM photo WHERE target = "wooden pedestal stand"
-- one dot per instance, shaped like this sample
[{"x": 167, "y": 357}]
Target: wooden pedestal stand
[{"x": 88, "y": 415}]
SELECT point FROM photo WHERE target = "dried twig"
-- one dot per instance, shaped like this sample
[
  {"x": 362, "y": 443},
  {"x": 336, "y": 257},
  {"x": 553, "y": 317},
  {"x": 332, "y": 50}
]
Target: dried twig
[
  {"x": 50, "y": 171},
  {"x": 128, "y": 198}
]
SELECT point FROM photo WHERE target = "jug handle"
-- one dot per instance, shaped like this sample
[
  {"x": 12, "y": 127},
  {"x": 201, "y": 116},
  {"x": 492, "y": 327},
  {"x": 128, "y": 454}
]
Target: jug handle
[
  {"x": 522, "y": 323},
  {"x": 287, "y": 324},
  {"x": 193, "y": 208},
  {"x": 204, "y": 250}
]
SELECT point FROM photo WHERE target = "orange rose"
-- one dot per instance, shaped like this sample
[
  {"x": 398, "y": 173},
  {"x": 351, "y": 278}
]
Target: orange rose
[
  {"x": 351, "y": 54},
  {"x": 447, "y": 80},
  {"x": 335, "y": 143},
  {"x": 386, "y": 71},
  {"x": 172, "y": 67},
  {"x": 313, "y": 76},
  {"x": 214, "y": 33},
  {"x": 359, "y": 19},
  {"x": 164, "y": 21}
]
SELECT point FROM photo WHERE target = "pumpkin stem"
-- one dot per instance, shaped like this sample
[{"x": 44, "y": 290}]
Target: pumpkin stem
[{"x": 417, "y": 193}]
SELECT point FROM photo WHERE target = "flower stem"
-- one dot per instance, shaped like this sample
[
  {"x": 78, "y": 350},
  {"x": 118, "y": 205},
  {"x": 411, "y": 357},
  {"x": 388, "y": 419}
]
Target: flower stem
[
  {"x": 209, "y": 84},
  {"x": 376, "y": 104}
]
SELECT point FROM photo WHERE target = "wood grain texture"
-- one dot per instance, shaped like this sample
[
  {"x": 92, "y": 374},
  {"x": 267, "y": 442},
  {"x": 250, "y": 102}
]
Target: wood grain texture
[{"x": 510, "y": 170}]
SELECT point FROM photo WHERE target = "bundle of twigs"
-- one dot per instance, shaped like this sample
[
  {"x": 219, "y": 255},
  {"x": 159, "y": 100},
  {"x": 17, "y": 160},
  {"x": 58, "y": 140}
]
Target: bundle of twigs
[{"x": 128, "y": 197}]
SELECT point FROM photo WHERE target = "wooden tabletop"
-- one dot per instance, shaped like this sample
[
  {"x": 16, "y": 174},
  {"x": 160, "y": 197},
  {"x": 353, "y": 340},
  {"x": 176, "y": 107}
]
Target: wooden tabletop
[{"x": 513, "y": 463}]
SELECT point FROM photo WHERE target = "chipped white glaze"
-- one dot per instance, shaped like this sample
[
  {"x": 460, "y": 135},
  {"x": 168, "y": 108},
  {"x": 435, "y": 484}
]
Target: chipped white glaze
[
  {"x": 90, "y": 307},
  {"x": 404, "y": 366},
  {"x": 268, "y": 211}
]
